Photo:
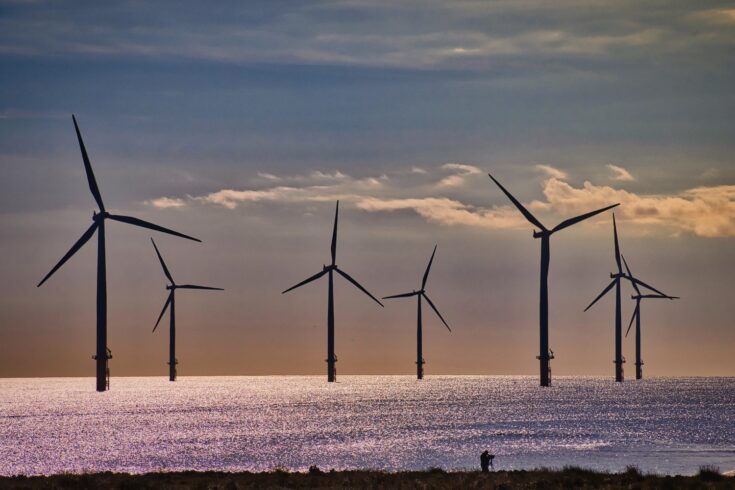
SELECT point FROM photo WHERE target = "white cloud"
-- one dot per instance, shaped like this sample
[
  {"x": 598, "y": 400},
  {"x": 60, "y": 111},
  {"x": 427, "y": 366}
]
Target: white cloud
[
  {"x": 461, "y": 171},
  {"x": 552, "y": 171},
  {"x": 267, "y": 176},
  {"x": 336, "y": 175},
  {"x": 417, "y": 170},
  {"x": 446, "y": 211},
  {"x": 167, "y": 202},
  {"x": 703, "y": 211},
  {"x": 462, "y": 168},
  {"x": 619, "y": 173}
]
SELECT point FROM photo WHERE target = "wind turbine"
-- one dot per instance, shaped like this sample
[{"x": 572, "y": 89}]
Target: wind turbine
[
  {"x": 616, "y": 277},
  {"x": 330, "y": 269},
  {"x": 98, "y": 225},
  {"x": 421, "y": 294},
  {"x": 545, "y": 355},
  {"x": 172, "y": 287},
  {"x": 637, "y": 317}
]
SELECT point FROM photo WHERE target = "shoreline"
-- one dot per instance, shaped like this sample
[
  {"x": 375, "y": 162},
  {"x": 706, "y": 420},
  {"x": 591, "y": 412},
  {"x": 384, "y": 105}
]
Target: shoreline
[{"x": 569, "y": 477}]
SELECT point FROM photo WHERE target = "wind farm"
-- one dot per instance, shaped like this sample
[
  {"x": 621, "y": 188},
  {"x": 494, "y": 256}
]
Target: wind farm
[
  {"x": 616, "y": 278},
  {"x": 545, "y": 354},
  {"x": 98, "y": 225},
  {"x": 574, "y": 161},
  {"x": 421, "y": 294}
]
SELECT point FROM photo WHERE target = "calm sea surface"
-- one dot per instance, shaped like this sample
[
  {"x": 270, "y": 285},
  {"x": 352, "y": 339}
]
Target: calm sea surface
[{"x": 664, "y": 425}]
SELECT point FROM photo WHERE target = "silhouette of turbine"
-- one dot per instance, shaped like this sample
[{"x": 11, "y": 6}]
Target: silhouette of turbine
[
  {"x": 616, "y": 277},
  {"x": 330, "y": 269},
  {"x": 98, "y": 225},
  {"x": 419, "y": 334},
  {"x": 171, "y": 300},
  {"x": 637, "y": 317},
  {"x": 545, "y": 355}
]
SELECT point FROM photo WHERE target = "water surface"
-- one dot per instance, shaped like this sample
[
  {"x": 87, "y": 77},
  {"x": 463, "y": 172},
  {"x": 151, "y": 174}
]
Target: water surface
[{"x": 663, "y": 425}]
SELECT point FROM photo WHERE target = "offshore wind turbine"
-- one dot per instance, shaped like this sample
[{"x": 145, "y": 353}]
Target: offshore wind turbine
[
  {"x": 637, "y": 317},
  {"x": 545, "y": 355},
  {"x": 616, "y": 277},
  {"x": 330, "y": 269},
  {"x": 171, "y": 300},
  {"x": 98, "y": 225},
  {"x": 419, "y": 334}
]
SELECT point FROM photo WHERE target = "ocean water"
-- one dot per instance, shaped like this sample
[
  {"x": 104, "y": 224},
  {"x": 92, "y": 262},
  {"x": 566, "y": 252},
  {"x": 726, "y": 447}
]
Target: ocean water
[{"x": 662, "y": 425}]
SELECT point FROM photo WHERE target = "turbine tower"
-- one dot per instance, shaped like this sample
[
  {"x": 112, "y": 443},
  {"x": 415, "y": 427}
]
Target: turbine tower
[
  {"x": 637, "y": 317},
  {"x": 98, "y": 225},
  {"x": 330, "y": 269},
  {"x": 616, "y": 277},
  {"x": 171, "y": 300},
  {"x": 545, "y": 355},
  {"x": 419, "y": 334}
]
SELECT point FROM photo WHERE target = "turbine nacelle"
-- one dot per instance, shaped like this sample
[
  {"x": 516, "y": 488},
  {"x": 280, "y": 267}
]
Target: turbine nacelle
[
  {"x": 100, "y": 216},
  {"x": 539, "y": 234}
]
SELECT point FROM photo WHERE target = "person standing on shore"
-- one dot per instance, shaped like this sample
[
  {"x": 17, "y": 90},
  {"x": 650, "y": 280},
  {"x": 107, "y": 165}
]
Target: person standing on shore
[{"x": 486, "y": 460}]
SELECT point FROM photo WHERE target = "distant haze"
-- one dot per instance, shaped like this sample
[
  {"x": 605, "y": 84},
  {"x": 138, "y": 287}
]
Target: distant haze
[{"x": 242, "y": 125}]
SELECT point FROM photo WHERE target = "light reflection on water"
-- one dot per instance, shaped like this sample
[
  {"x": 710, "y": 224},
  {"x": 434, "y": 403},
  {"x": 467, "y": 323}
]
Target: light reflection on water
[{"x": 663, "y": 425}]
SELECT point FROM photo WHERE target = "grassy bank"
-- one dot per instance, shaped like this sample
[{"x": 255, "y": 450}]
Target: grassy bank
[{"x": 537, "y": 479}]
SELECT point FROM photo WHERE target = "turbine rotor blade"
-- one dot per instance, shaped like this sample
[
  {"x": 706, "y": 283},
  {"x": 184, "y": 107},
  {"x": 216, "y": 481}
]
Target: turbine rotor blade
[
  {"x": 194, "y": 286},
  {"x": 165, "y": 306},
  {"x": 163, "y": 264},
  {"x": 635, "y": 286},
  {"x": 617, "y": 246},
  {"x": 635, "y": 312},
  {"x": 428, "y": 267},
  {"x": 641, "y": 283},
  {"x": 518, "y": 205},
  {"x": 334, "y": 234},
  {"x": 436, "y": 311},
  {"x": 604, "y": 291},
  {"x": 357, "y": 284},
  {"x": 403, "y": 295},
  {"x": 306, "y": 281},
  {"x": 145, "y": 224},
  {"x": 88, "y": 168},
  {"x": 74, "y": 248},
  {"x": 581, "y": 217}
]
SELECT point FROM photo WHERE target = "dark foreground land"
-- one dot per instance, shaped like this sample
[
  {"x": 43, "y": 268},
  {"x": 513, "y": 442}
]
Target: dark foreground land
[{"x": 430, "y": 479}]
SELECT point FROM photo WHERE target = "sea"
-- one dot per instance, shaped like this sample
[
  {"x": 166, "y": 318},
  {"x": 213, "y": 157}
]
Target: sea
[{"x": 262, "y": 423}]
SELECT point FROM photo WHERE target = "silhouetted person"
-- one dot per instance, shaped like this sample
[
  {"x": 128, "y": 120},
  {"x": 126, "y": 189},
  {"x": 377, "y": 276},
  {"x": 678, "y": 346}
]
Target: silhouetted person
[{"x": 486, "y": 461}]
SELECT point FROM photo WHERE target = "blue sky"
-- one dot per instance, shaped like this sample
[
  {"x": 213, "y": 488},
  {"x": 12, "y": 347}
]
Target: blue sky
[{"x": 243, "y": 123}]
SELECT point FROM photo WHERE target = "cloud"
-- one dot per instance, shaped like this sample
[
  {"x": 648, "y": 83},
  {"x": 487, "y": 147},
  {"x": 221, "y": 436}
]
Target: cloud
[
  {"x": 462, "y": 168},
  {"x": 703, "y": 211},
  {"x": 417, "y": 170},
  {"x": 552, "y": 171},
  {"x": 446, "y": 211},
  {"x": 267, "y": 176},
  {"x": 167, "y": 202},
  {"x": 619, "y": 173},
  {"x": 461, "y": 171}
]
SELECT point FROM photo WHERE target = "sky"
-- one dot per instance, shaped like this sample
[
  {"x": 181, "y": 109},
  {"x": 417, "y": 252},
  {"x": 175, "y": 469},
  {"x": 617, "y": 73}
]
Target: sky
[{"x": 243, "y": 123}]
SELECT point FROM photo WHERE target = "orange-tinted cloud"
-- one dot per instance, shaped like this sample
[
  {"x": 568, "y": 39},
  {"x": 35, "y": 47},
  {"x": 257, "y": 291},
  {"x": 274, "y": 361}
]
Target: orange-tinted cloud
[{"x": 703, "y": 211}]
